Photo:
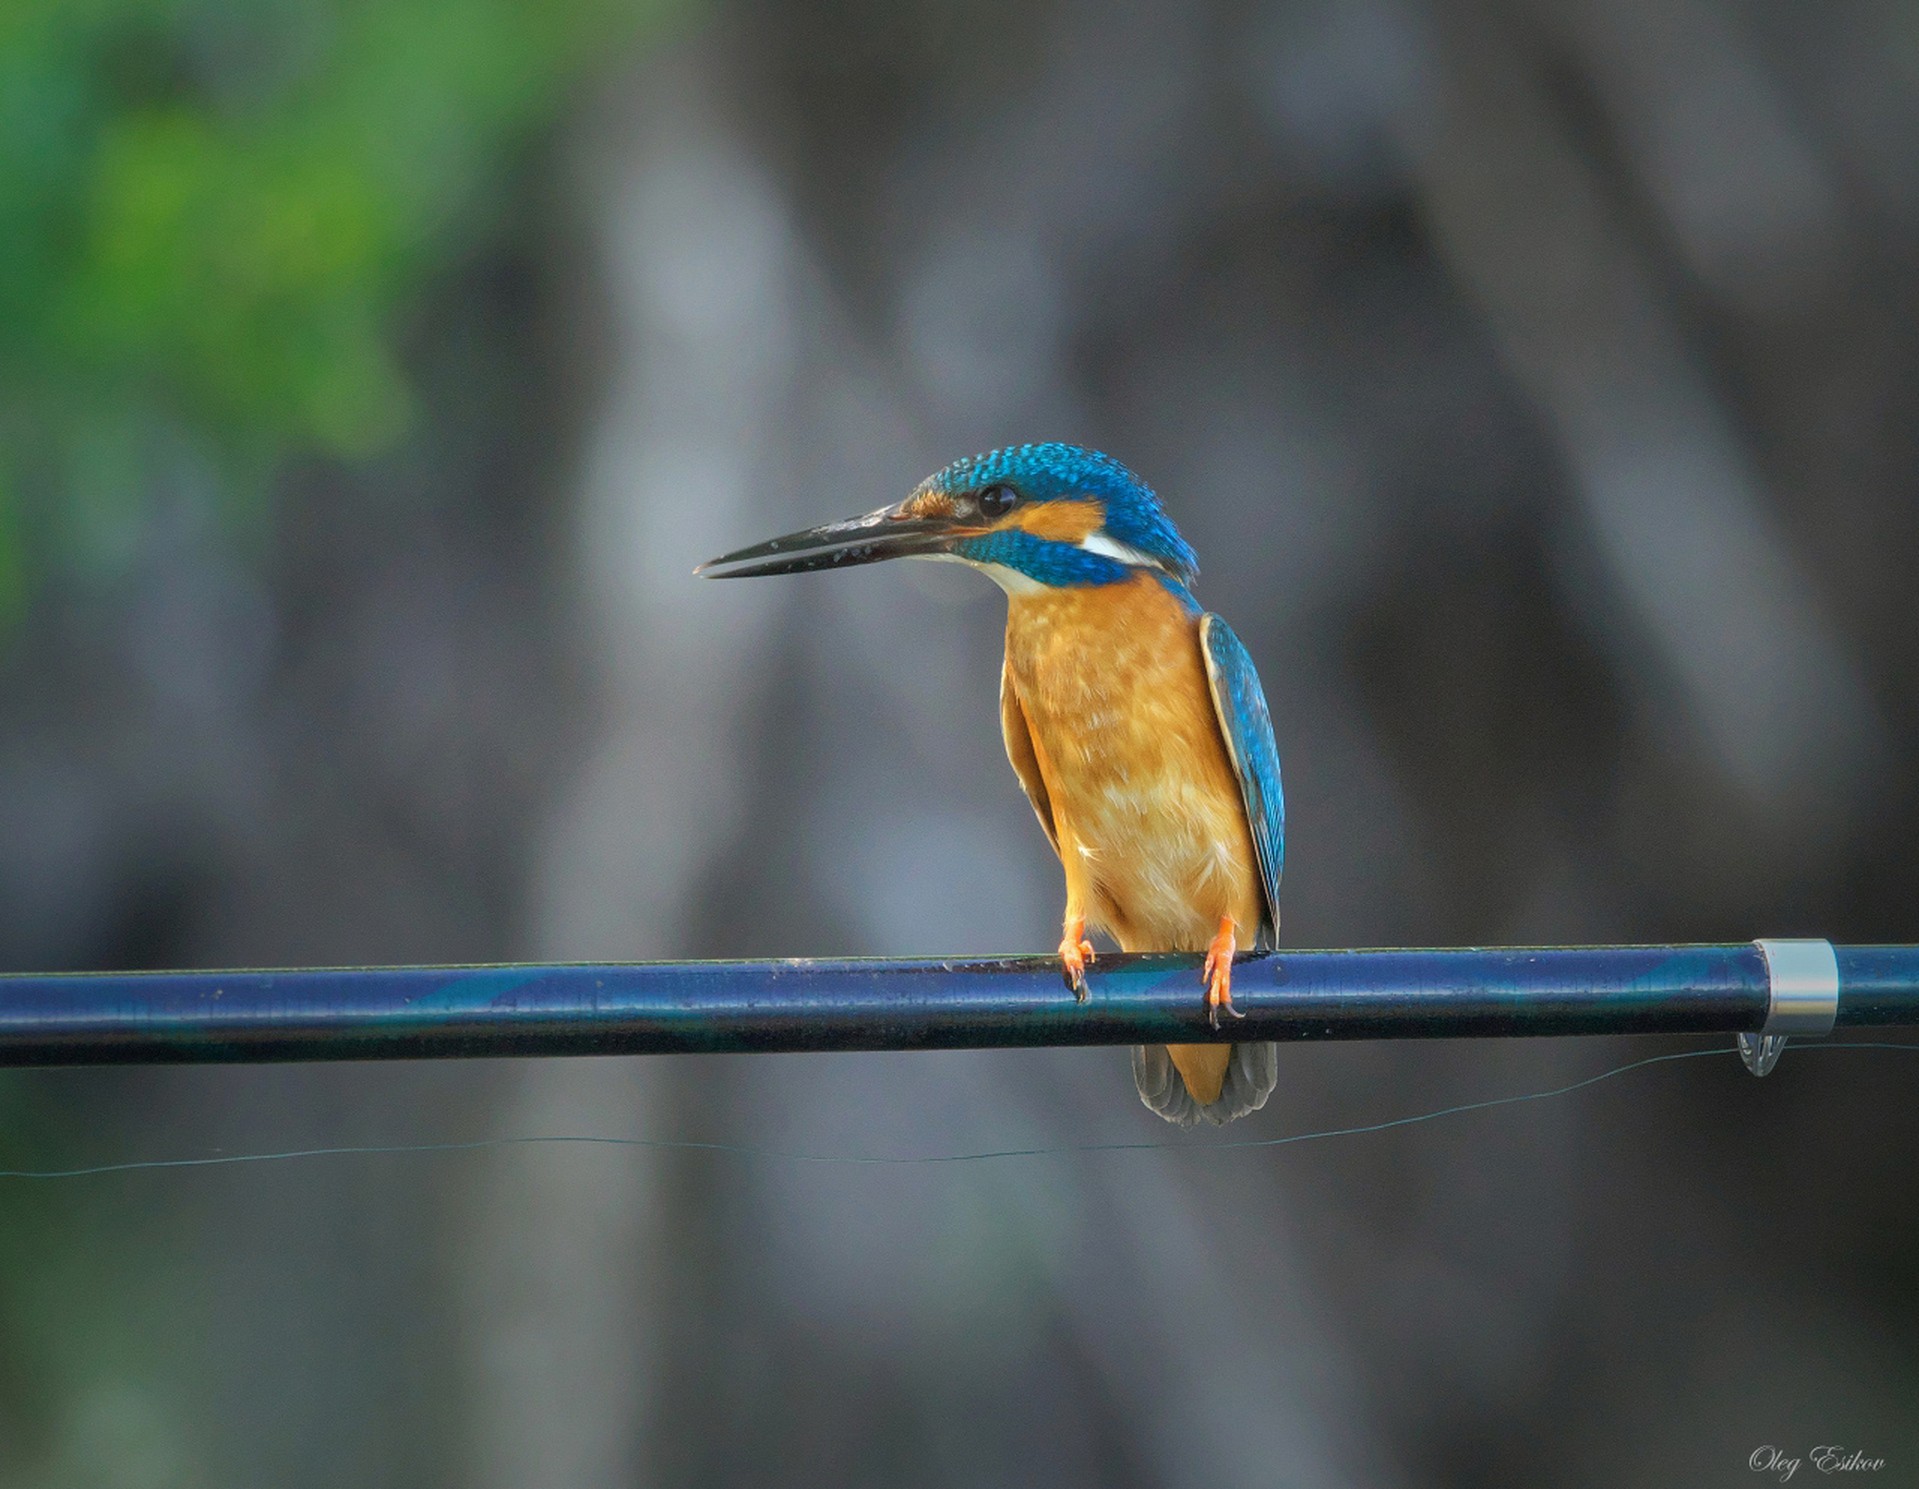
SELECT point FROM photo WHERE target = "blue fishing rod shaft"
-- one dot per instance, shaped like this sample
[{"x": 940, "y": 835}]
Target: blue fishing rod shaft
[{"x": 366, "y": 1013}]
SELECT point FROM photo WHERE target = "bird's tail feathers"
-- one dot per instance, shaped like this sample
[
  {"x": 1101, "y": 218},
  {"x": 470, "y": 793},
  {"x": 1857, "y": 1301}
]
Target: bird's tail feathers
[{"x": 1251, "y": 1074}]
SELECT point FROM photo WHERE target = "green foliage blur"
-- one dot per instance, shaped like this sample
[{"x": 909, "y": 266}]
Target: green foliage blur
[
  {"x": 213, "y": 220},
  {"x": 211, "y": 217}
]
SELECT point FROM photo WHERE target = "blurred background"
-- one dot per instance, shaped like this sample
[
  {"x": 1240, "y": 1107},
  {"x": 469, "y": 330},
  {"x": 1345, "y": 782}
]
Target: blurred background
[{"x": 1539, "y": 384}]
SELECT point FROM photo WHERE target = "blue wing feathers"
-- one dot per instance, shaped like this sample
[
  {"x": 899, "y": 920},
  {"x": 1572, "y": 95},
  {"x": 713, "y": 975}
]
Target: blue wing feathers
[{"x": 1248, "y": 730}]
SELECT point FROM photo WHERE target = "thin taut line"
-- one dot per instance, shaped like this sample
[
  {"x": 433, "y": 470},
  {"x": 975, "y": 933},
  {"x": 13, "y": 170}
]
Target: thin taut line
[{"x": 742, "y": 1150}]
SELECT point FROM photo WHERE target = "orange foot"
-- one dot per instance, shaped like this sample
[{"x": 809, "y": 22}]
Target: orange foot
[
  {"x": 1219, "y": 974},
  {"x": 1075, "y": 951}
]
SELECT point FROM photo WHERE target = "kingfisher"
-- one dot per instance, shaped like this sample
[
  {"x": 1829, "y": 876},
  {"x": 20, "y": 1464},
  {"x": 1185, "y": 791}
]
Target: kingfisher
[{"x": 1134, "y": 720}]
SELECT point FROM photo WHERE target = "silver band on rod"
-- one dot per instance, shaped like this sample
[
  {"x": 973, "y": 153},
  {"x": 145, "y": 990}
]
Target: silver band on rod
[{"x": 1803, "y": 977}]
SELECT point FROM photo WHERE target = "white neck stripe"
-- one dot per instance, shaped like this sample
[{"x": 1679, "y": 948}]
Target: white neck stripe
[{"x": 1124, "y": 553}]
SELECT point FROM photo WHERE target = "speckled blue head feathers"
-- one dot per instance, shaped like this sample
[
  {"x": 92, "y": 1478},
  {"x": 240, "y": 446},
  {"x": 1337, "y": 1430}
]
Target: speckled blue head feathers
[
  {"x": 1133, "y": 527},
  {"x": 1051, "y": 516}
]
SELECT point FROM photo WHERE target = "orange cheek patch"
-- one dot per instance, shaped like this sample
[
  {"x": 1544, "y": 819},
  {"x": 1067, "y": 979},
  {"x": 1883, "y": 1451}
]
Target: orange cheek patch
[{"x": 1060, "y": 521}]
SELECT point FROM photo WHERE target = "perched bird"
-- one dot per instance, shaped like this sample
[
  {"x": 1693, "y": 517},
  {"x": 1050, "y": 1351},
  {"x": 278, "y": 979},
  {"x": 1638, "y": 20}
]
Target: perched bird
[{"x": 1134, "y": 720}]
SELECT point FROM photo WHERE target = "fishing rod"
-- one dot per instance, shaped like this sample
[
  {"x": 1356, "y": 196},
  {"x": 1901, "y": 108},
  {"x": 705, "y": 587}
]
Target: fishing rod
[{"x": 1762, "y": 992}]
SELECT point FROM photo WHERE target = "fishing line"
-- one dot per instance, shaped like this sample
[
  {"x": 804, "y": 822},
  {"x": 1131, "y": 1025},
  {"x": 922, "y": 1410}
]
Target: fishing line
[{"x": 742, "y": 1150}]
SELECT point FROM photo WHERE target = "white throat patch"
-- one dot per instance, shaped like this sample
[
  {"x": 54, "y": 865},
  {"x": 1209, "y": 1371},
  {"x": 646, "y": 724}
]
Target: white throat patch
[{"x": 1010, "y": 580}]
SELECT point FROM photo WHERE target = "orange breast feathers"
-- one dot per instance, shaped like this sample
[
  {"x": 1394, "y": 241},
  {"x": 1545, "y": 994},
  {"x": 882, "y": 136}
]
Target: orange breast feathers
[{"x": 1146, "y": 811}]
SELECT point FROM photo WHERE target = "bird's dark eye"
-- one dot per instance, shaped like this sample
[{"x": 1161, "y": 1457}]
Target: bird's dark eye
[{"x": 997, "y": 501}]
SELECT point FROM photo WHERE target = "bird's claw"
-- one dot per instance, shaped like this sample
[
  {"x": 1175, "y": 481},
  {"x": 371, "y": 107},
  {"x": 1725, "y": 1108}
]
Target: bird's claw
[
  {"x": 1218, "y": 976},
  {"x": 1213, "y": 1011},
  {"x": 1075, "y": 952}
]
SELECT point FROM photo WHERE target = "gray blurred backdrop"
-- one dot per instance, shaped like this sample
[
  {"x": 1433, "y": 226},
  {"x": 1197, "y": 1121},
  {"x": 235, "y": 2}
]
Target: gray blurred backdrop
[{"x": 1538, "y": 382}]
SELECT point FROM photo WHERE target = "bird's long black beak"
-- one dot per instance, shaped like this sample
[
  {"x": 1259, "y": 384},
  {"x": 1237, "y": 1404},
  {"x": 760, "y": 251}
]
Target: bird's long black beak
[{"x": 887, "y": 533}]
